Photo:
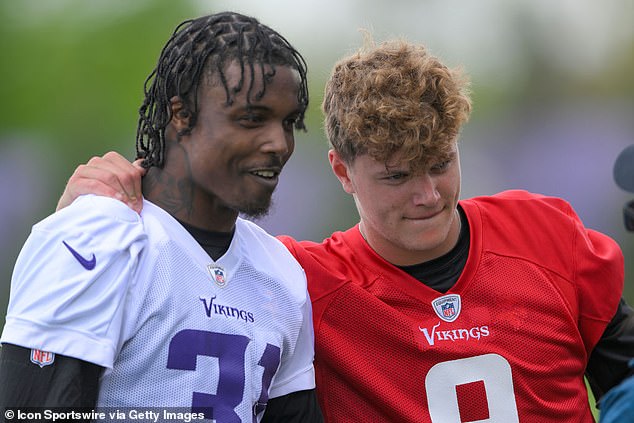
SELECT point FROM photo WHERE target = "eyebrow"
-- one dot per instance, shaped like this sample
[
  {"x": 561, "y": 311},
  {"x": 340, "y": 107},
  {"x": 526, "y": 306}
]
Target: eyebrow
[
  {"x": 399, "y": 167},
  {"x": 256, "y": 107},
  {"x": 248, "y": 108},
  {"x": 389, "y": 169},
  {"x": 263, "y": 108}
]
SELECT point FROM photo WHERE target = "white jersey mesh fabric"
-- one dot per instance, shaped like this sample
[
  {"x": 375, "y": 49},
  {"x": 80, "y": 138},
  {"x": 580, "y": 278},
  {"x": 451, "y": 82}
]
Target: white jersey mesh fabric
[{"x": 190, "y": 332}]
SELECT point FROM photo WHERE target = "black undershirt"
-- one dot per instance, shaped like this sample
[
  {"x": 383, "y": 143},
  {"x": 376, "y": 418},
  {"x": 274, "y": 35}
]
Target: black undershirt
[
  {"x": 443, "y": 272},
  {"x": 214, "y": 243}
]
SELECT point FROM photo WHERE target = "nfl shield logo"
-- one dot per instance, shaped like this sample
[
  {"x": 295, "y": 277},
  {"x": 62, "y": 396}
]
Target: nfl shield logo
[
  {"x": 42, "y": 358},
  {"x": 447, "y": 307},
  {"x": 218, "y": 275},
  {"x": 448, "y": 310}
]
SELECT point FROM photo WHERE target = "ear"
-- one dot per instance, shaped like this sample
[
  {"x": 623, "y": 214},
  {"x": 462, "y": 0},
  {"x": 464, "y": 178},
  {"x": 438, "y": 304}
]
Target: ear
[
  {"x": 341, "y": 170},
  {"x": 181, "y": 116}
]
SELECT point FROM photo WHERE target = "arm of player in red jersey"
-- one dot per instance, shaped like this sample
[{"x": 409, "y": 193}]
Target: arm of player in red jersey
[
  {"x": 110, "y": 175},
  {"x": 608, "y": 364},
  {"x": 59, "y": 382}
]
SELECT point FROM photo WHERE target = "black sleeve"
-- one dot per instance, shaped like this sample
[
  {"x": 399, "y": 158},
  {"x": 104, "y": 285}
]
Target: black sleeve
[
  {"x": 296, "y": 407},
  {"x": 66, "y": 383},
  {"x": 608, "y": 364}
]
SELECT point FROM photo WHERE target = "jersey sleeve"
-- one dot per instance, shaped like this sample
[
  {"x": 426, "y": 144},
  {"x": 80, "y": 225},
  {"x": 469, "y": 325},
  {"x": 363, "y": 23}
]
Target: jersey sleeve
[
  {"x": 296, "y": 372},
  {"x": 551, "y": 234},
  {"x": 599, "y": 275},
  {"x": 593, "y": 262},
  {"x": 71, "y": 278}
]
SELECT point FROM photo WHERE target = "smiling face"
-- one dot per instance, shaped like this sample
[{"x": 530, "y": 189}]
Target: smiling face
[
  {"x": 230, "y": 161},
  {"x": 407, "y": 218},
  {"x": 393, "y": 114}
]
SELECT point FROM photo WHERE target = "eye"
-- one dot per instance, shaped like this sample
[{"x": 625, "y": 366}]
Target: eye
[
  {"x": 251, "y": 119},
  {"x": 289, "y": 123},
  {"x": 440, "y": 167},
  {"x": 396, "y": 177}
]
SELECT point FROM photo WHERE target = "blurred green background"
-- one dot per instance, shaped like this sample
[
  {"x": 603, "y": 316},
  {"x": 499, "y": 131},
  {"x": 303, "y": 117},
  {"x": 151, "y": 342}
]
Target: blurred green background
[{"x": 553, "y": 90}]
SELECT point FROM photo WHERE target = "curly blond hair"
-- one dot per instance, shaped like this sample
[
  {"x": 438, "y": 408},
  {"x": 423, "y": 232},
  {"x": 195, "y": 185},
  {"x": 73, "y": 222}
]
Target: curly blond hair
[{"x": 395, "y": 98}]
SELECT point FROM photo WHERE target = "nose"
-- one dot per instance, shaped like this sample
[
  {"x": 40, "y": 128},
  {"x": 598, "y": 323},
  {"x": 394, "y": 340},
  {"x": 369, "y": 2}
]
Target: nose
[
  {"x": 425, "y": 192},
  {"x": 278, "y": 141}
]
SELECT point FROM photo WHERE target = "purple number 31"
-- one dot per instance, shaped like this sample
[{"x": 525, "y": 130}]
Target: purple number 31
[{"x": 230, "y": 351}]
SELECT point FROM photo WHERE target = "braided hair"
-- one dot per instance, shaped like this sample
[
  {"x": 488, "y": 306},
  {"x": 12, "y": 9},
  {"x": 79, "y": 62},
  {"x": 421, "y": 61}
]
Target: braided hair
[{"x": 203, "y": 47}]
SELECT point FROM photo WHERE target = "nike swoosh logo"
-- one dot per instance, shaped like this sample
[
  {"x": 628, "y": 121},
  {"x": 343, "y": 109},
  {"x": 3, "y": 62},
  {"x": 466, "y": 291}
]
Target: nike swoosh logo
[{"x": 88, "y": 264}]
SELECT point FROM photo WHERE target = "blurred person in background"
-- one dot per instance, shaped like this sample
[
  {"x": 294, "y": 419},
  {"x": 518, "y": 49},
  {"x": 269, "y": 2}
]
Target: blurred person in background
[
  {"x": 618, "y": 404},
  {"x": 432, "y": 308},
  {"x": 110, "y": 308}
]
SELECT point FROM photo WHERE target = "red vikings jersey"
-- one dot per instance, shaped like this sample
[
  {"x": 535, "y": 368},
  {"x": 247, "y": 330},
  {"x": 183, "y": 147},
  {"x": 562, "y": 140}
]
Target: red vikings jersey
[{"x": 508, "y": 343}]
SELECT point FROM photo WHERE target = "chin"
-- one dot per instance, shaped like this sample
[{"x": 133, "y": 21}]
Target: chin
[
  {"x": 426, "y": 241},
  {"x": 256, "y": 210},
  {"x": 255, "y": 214}
]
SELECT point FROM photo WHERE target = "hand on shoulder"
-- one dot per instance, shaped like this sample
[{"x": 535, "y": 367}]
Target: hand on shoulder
[{"x": 110, "y": 175}]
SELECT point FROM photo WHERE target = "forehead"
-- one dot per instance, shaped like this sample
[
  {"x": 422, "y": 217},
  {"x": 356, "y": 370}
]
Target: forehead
[
  {"x": 255, "y": 83},
  {"x": 420, "y": 159}
]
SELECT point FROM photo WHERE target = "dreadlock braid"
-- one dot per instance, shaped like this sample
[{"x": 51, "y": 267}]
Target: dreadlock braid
[{"x": 200, "y": 48}]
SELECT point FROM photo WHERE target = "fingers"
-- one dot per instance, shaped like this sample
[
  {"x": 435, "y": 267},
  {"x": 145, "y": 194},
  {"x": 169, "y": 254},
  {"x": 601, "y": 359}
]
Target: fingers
[
  {"x": 128, "y": 175},
  {"x": 83, "y": 182},
  {"x": 111, "y": 175}
]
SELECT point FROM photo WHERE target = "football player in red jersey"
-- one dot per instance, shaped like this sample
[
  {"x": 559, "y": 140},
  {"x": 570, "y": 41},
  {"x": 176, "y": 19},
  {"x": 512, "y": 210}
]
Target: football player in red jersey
[{"x": 435, "y": 309}]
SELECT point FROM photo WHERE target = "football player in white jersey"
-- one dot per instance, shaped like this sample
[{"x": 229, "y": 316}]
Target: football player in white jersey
[{"x": 186, "y": 307}]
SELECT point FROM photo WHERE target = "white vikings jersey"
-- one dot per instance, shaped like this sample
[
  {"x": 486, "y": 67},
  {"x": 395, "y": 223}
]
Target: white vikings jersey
[{"x": 139, "y": 296}]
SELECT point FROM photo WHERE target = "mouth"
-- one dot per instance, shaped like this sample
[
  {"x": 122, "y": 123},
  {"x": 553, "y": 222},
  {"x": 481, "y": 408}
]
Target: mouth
[
  {"x": 265, "y": 173},
  {"x": 268, "y": 176},
  {"x": 424, "y": 217}
]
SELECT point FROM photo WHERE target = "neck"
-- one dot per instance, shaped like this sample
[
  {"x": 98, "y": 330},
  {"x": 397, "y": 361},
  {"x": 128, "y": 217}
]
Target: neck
[{"x": 177, "y": 197}]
